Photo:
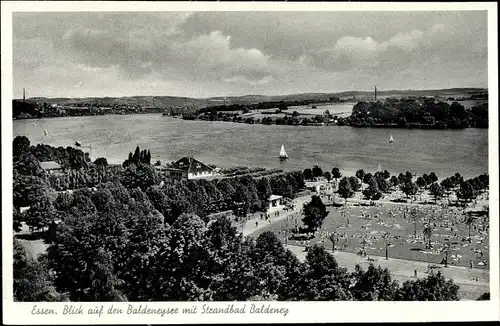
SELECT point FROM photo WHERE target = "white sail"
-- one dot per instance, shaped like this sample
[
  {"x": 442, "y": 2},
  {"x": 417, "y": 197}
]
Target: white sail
[
  {"x": 45, "y": 132},
  {"x": 391, "y": 139},
  {"x": 379, "y": 168},
  {"x": 283, "y": 152}
]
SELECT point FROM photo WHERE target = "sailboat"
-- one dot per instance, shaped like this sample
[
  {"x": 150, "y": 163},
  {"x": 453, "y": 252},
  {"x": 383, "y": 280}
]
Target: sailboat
[
  {"x": 34, "y": 123},
  {"x": 78, "y": 144},
  {"x": 45, "y": 132},
  {"x": 283, "y": 155},
  {"x": 379, "y": 168},
  {"x": 391, "y": 139}
]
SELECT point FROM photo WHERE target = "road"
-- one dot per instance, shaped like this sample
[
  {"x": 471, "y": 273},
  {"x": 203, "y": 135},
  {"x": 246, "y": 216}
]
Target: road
[{"x": 250, "y": 227}]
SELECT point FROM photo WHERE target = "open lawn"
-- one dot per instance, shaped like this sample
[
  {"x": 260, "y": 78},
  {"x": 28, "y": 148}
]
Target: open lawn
[
  {"x": 333, "y": 108},
  {"x": 358, "y": 227}
]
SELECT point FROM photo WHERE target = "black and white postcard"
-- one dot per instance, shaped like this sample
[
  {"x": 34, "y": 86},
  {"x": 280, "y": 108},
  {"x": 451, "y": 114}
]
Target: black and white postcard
[{"x": 249, "y": 162}]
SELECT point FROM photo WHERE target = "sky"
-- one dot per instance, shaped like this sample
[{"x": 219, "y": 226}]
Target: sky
[{"x": 204, "y": 54}]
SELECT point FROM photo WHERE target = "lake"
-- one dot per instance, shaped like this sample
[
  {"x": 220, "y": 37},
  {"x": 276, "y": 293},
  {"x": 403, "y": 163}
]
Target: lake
[{"x": 227, "y": 144}]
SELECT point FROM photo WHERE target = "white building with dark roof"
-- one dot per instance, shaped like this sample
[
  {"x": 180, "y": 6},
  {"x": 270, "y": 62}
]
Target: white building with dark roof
[
  {"x": 275, "y": 203},
  {"x": 194, "y": 168},
  {"x": 52, "y": 167}
]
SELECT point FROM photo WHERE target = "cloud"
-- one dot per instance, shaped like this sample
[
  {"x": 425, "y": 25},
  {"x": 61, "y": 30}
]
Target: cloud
[
  {"x": 213, "y": 52},
  {"x": 217, "y": 53},
  {"x": 351, "y": 52},
  {"x": 405, "y": 41}
]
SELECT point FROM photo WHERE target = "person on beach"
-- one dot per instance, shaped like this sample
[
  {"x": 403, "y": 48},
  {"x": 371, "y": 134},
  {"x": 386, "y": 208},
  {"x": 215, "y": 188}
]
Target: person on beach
[{"x": 256, "y": 223}]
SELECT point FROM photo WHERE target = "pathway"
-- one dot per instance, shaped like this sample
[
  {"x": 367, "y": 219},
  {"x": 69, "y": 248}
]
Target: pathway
[{"x": 403, "y": 270}]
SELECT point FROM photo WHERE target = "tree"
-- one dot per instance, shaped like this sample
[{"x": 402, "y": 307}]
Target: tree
[
  {"x": 355, "y": 183},
  {"x": 314, "y": 213},
  {"x": 374, "y": 284},
  {"x": 41, "y": 213},
  {"x": 17, "y": 219},
  {"x": 101, "y": 161},
  {"x": 97, "y": 274},
  {"x": 367, "y": 177},
  {"x": 409, "y": 189},
  {"x": 433, "y": 177},
  {"x": 187, "y": 258},
  {"x": 323, "y": 279},
  {"x": 137, "y": 155},
  {"x": 386, "y": 174},
  {"x": 360, "y": 174},
  {"x": 394, "y": 181},
  {"x": 27, "y": 164},
  {"x": 466, "y": 192},
  {"x": 421, "y": 182},
  {"x": 345, "y": 188},
  {"x": 308, "y": 174},
  {"x": 101, "y": 199},
  {"x": 432, "y": 288},
  {"x": 382, "y": 184},
  {"x": 28, "y": 190},
  {"x": 427, "y": 232},
  {"x": 336, "y": 173},
  {"x": 427, "y": 179},
  {"x": 436, "y": 190},
  {"x": 469, "y": 221},
  {"x": 415, "y": 217},
  {"x": 277, "y": 268},
  {"x": 20, "y": 145},
  {"x": 447, "y": 185},
  {"x": 372, "y": 192},
  {"x": 328, "y": 176},
  {"x": 230, "y": 260},
  {"x": 33, "y": 281},
  {"x": 317, "y": 171},
  {"x": 142, "y": 176}
]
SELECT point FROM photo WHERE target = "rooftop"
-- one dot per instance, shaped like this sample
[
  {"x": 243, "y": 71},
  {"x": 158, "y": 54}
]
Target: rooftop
[
  {"x": 50, "y": 165},
  {"x": 274, "y": 197},
  {"x": 191, "y": 165}
]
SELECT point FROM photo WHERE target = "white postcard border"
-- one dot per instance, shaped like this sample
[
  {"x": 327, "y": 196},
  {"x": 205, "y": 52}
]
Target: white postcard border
[{"x": 21, "y": 313}]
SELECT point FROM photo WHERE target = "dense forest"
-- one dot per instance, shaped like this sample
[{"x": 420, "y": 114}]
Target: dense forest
[
  {"x": 115, "y": 246},
  {"x": 418, "y": 114},
  {"x": 241, "y": 193}
]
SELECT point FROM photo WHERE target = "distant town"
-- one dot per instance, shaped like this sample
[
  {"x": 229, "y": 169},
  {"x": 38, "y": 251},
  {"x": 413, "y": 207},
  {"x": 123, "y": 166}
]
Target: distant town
[{"x": 438, "y": 109}]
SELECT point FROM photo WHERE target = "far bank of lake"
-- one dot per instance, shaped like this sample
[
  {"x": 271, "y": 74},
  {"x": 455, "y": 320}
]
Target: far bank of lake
[{"x": 231, "y": 144}]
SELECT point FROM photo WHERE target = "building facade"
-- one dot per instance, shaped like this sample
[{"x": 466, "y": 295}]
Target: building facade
[
  {"x": 193, "y": 168},
  {"x": 52, "y": 167}
]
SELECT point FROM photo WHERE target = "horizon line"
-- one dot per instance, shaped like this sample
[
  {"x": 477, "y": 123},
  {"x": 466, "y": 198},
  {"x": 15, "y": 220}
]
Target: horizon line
[{"x": 263, "y": 95}]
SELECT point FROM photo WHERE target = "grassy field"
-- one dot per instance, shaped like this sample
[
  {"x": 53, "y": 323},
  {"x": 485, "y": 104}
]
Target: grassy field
[{"x": 357, "y": 227}]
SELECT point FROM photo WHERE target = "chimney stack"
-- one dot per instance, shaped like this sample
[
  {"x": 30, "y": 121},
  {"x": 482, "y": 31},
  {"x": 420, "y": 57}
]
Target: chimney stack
[
  {"x": 375, "y": 93},
  {"x": 24, "y": 95}
]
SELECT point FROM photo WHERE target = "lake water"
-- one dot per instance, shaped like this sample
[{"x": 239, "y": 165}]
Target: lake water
[{"x": 229, "y": 144}]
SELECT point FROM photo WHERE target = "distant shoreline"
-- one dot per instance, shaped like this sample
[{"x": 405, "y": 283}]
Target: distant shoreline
[{"x": 377, "y": 126}]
